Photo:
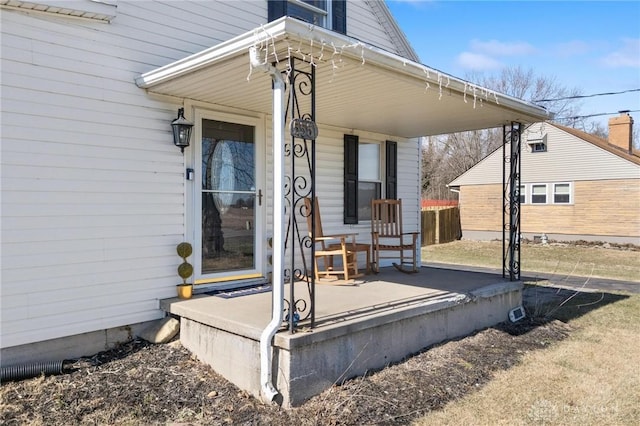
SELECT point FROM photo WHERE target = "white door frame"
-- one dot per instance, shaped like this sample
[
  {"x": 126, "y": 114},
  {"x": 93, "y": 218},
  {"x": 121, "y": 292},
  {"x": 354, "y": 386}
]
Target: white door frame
[{"x": 194, "y": 200}]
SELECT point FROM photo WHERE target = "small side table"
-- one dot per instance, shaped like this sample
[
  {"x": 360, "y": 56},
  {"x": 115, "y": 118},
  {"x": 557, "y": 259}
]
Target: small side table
[{"x": 362, "y": 247}]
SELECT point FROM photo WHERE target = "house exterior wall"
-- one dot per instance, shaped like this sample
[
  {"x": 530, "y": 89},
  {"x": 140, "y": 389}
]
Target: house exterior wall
[
  {"x": 364, "y": 24},
  {"x": 93, "y": 190},
  {"x": 592, "y": 216},
  {"x": 330, "y": 183},
  {"x": 605, "y": 189},
  {"x": 567, "y": 159}
]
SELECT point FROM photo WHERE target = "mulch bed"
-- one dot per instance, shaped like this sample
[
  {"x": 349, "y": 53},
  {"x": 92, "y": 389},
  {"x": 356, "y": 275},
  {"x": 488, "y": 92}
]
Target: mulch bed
[{"x": 142, "y": 383}]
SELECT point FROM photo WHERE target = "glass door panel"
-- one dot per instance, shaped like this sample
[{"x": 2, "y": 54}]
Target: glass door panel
[{"x": 228, "y": 192}]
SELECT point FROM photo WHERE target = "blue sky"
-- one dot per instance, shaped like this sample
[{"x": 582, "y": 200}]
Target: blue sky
[{"x": 591, "y": 45}]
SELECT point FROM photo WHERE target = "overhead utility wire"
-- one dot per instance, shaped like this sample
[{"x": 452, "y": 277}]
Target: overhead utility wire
[
  {"x": 593, "y": 115},
  {"x": 587, "y": 96}
]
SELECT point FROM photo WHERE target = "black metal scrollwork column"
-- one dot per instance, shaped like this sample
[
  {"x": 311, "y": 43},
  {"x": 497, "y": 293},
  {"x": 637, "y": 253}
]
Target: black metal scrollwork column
[
  {"x": 300, "y": 184},
  {"x": 511, "y": 200}
]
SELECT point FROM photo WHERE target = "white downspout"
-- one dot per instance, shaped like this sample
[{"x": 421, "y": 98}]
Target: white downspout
[{"x": 266, "y": 357}]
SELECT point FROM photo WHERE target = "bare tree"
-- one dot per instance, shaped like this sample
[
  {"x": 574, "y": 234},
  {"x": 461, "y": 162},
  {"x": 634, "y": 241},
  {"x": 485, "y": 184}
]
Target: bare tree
[
  {"x": 435, "y": 171},
  {"x": 449, "y": 156},
  {"x": 596, "y": 129},
  {"x": 538, "y": 89}
]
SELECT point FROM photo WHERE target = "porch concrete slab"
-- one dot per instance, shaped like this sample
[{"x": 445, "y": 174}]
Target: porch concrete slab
[
  {"x": 360, "y": 326},
  {"x": 335, "y": 303}
]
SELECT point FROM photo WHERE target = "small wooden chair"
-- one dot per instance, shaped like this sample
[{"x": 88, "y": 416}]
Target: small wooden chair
[
  {"x": 387, "y": 235},
  {"x": 346, "y": 248}
]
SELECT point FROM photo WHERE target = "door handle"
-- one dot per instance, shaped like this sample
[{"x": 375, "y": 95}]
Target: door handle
[{"x": 259, "y": 197}]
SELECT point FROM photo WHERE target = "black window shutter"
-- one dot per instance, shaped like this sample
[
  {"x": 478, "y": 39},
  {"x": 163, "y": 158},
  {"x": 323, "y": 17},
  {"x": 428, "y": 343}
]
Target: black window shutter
[
  {"x": 391, "y": 170},
  {"x": 276, "y": 9},
  {"x": 350, "y": 179},
  {"x": 339, "y": 16}
]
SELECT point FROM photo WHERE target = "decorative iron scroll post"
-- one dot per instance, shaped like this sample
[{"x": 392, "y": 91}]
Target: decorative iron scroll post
[
  {"x": 300, "y": 184},
  {"x": 511, "y": 200}
]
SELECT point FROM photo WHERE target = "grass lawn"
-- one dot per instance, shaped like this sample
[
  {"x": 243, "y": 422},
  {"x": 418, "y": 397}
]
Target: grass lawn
[
  {"x": 561, "y": 259},
  {"x": 591, "y": 378}
]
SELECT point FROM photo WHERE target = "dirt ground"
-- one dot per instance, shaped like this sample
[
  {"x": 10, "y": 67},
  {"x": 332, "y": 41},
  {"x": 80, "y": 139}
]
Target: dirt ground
[{"x": 141, "y": 383}]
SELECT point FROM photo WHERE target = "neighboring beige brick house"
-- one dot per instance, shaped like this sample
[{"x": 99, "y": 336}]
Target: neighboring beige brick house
[{"x": 574, "y": 186}]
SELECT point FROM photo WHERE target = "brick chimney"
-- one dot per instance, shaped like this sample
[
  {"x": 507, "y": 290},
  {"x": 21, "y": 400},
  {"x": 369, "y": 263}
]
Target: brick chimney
[{"x": 620, "y": 131}]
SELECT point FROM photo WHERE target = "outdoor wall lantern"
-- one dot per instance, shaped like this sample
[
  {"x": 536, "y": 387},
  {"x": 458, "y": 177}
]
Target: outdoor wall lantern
[{"x": 181, "y": 130}]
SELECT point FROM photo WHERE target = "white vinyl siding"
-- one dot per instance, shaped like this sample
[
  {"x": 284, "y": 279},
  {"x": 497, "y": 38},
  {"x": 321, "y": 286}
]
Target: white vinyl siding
[
  {"x": 93, "y": 189},
  {"x": 98, "y": 10},
  {"x": 568, "y": 158},
  {"x": 363, "y": 24},
  {"x": 330, "y": 182}
]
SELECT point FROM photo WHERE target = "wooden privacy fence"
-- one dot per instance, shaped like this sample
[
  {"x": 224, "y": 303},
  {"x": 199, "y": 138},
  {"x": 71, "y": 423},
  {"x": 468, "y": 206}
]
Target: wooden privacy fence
[
  {"x": 440, "y": 226},
  {"x": 428, "y": 227}
]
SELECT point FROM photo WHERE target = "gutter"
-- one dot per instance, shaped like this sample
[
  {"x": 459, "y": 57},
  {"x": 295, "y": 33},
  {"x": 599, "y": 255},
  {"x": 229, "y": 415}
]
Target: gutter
[
  {"x": 295, "y": 31},
  {"x": 269, "y": 391}
]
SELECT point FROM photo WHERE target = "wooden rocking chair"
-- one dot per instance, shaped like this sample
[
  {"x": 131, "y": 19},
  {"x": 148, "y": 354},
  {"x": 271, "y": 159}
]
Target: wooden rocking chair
[
  {"x": 345, "y": 248},
  {"x": 387, "y": 236}
]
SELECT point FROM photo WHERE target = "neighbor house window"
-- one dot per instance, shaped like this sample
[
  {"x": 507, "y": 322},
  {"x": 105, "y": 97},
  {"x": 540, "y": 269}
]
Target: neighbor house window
[
  {"x": 330, "y": 14},
  {"x": 370, "y": 172},
  {"x": 562, "y": 193},
  {"x": 539, "y": 147},
  {"x": 538, "y": 144},
  {"x": 523, "y": 194},
  {"x": 538, "y": 194}
]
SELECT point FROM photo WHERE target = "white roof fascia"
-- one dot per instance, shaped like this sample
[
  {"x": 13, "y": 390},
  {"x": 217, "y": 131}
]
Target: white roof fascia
[
  {"x": 95, "y": 10},
  {"x": 228, "y": 49},
  {"x": 396, "y": 63},
  {"x": 294, "y": 31}
]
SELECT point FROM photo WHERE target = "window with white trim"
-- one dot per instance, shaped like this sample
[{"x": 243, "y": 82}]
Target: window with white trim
[
  {"x": 330, "y": 14},
  {"x": 369, "y": 178},
  {"x": 523, "y": 194},
  {"x": 538, "y": 144},
  {"x": 539, "y": 147},
  {"x": 539, "y": 193},
  {"x": 370, "y": 172},
  {"x": 562, "y": 193},
  {"x": 316, "y": 12}
]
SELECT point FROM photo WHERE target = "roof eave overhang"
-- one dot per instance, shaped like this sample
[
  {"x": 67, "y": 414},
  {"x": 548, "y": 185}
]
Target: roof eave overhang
[{"x": 389, "y": 69}]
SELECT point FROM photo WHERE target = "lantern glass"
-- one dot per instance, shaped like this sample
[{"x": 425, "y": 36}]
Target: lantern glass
[{"x": 181, "y": 130}]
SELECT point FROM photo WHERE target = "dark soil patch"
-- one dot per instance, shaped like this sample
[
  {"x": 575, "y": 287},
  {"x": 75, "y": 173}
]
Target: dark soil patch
[{"x": 141, "y": 383}]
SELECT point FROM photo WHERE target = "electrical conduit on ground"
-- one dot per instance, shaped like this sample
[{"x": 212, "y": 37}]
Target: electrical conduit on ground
[{"x": 26, "y": 371}]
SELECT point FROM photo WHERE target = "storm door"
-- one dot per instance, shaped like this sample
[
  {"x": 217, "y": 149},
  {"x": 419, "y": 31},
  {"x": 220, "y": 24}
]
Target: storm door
[{"x": 228, "y": 202}]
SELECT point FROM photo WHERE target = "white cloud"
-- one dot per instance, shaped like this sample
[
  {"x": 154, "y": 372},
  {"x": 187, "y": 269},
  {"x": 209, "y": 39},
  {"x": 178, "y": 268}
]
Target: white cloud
[
  {"x": 477, "y": 61},
  {"x": 628, "y": 55},
  {"x": 499, "y": 48},
  {"x": 571, "y": 48},
  {"x": 483, "y": 55}
]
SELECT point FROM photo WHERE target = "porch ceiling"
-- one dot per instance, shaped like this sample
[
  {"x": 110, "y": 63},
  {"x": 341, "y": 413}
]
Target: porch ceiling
[{"x": 358, "y": 86}]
